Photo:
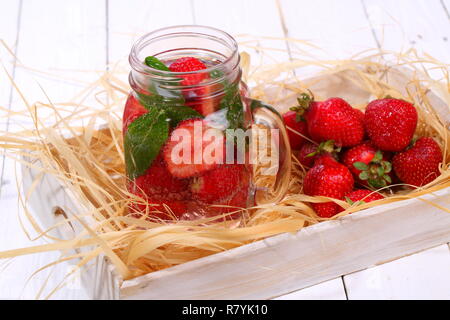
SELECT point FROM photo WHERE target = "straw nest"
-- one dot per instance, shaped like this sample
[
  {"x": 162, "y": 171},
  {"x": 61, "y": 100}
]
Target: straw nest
[{"x": 80, "y": 143}]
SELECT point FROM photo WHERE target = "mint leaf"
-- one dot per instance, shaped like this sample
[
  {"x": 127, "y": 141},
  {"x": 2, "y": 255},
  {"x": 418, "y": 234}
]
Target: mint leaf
[
  {"x": 160, "y": 87},
  {"x": 179, "y": 113},
  {"x": 233, "y": 103},
  {"x": 155, "y": 63},
  {"x": 156, "y": 101},
  {"x": 217, "y": 74},
  {"x": 174, "y": 108},
  {"x": 144, "y": 138}
]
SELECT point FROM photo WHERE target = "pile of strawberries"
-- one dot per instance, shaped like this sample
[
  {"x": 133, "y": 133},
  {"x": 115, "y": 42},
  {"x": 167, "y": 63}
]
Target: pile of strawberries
[{"x": 350, "y": 154}]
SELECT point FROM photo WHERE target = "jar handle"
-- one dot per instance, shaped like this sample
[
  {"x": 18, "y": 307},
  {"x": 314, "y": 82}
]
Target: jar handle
[{"x": 265, "y": 115}]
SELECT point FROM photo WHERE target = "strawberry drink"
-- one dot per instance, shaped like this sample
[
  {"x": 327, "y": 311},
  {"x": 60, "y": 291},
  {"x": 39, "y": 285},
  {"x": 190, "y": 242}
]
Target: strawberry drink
[{"x": 182, "y": 159}]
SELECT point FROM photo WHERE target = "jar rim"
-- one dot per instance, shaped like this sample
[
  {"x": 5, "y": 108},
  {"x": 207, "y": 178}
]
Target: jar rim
[{"x": 154, "y": 35}]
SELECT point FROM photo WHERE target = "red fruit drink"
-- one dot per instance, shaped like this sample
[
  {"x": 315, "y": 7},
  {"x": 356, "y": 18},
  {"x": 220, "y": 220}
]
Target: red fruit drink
[{"x": 187, "y": 96}]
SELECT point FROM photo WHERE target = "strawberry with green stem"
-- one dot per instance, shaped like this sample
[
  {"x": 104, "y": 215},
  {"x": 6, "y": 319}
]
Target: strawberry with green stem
[
  {"x": 361, "y": 196},
  {"x": 296, "y": 126},
  {"x": 310, "y": 152},
  {"x": 419, "y": 165},
  {"x": 332, "y": 119},
  {"x": 369, "y": 166}
]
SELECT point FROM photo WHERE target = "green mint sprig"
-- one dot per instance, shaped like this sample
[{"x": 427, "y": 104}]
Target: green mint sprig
[
  {"x": 143, "y": 141},
  {"x": 155, "y": 63}
]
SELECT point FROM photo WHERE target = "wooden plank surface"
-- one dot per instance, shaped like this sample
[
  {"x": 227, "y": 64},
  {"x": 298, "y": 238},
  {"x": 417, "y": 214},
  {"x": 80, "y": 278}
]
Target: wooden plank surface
[
  {"x": 128, "y": 20},
  {"x": 50, "y": 41},
  {"x": 76, "y": 35},
  {"x": 339, "y": 28},
  {"x": 287, "y": 262},
  {"x": 396, "y": 28},
  {"x": 328, "y": 290},
  {"x": 398, "y": 280}
]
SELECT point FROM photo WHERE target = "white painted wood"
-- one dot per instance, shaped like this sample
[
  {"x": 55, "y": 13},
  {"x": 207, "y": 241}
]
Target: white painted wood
[
  {"x": 343, "y": 30},
  {"x": 244, "y": 17},
  {"x": 128, "y": 20},
  {"x": 287, "y": 262},
  {"x": 399, "y": 26},
  {"x": 54, "y": 36},
  {"x": 339, "y": 28},
  {"x": 446, "y": 6},
  {"x": 424, "y": 281},
  {"x": 328, "y": 290}
]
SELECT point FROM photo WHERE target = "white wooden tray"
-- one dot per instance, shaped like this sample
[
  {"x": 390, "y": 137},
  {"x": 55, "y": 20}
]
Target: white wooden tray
[{"x": 274, "y": 266}]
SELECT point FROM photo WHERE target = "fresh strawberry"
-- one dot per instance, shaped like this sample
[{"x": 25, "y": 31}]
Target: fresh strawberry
[
  {"x": 419, "y": 165},
  {"x": 295, "y": 122},
  {"x": 359, "y": 114},
  {"x": 332, "y": 119},
  {"x": 205, "y": 99},
  {"x": 390, "y": 123},
  {"x": 362, "y": 196},
  {"x": 309, "y": 152},
  {"x": 193, "y": 148},
  {"x": 158, "y": 181},
  {"x": 217, "y": 184},
  {"x": 238, "y": 200},
  {"x": 189, "y": 64},
  {"x": 369, "y": 166},
  {"x": 133, "y": 109},
  {"x": 328, "y": 178},
  {"x": 157, "y": 186}
]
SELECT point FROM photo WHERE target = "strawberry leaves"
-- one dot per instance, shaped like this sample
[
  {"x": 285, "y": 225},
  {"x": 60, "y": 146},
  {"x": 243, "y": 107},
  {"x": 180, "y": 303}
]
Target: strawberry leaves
[
  {"x": 376, "y": 173},
  {"x": 303, "y": 100},
  {"x": 143, "y": 140}
]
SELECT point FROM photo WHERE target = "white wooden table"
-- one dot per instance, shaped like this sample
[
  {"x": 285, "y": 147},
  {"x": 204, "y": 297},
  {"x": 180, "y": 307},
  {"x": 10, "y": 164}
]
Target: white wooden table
[{"x": 65, "y": 36}]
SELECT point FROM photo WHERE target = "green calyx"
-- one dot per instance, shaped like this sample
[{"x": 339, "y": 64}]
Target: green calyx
[
  {"x": 351, "y": 202},
  {"x": 325, "y": 147},
  {"x": 304, "y": 100},
  {"x": 376, "y": 172}
]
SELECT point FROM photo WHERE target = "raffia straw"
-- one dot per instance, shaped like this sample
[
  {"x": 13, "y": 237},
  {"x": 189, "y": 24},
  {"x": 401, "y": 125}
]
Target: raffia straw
[{"x": 88, "y": 160}]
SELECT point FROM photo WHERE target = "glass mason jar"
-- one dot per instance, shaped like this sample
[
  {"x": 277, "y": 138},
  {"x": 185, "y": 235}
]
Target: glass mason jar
[{"x": 187, "y": 138}]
